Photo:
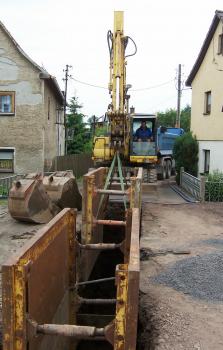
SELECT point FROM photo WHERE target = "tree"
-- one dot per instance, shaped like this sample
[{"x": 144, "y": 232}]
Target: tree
[
  {"x": 79, "y": 139},
  {"x": 185, "y": 117},
  {"x": 185, "y": 153},
  {"x": 168, "y": 118}
]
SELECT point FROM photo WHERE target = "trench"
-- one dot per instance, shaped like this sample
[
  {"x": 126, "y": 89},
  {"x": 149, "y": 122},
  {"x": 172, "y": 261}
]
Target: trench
[{"x": 105, "y": 266}]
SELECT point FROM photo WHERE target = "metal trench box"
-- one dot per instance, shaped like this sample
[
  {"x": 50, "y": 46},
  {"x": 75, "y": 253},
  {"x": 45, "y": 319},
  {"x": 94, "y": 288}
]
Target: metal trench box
[{"x": 38, "y": 283}]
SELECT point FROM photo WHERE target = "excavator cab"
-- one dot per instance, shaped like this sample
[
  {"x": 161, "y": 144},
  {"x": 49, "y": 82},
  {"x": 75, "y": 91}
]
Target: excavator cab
[{"x": 143, "y": 138}]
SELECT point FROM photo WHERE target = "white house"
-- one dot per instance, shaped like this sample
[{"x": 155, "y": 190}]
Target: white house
[{"x": 206, "y": 80}]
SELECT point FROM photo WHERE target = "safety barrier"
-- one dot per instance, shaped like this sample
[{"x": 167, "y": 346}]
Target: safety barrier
[{"x": 193, "y": 185}]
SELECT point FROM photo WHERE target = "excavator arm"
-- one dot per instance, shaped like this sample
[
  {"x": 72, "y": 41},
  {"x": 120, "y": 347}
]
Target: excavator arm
[{"x": 119, "y": 123}]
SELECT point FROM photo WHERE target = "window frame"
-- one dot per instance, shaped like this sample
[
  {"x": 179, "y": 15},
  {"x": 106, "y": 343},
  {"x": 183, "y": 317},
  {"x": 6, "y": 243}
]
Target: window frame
[
  {"x": 11, "y": 151},
  {"x": 207, "y": 111},
  {"x": 12, "y": 94}
]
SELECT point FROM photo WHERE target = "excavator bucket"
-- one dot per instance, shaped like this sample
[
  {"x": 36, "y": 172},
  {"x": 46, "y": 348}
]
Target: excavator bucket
[
  {"x": 28, "y": 200},
  {"x": 38, "y": 199},
  {"x": 62, "y": 189}
]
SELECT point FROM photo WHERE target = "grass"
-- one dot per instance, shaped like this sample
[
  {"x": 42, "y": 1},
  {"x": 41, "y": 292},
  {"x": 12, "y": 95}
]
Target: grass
[{"x": 3, "y": 202}]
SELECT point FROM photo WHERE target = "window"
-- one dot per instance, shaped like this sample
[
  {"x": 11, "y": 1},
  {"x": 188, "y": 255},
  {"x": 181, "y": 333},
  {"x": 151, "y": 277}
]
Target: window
[
  {"x": 206, "y": 160},
  {"x": 220, "y": 44},
  {"x": 7, "y": 102},
  {"x": 207, "y": 102},
  {"x": 6, "y": 160}
]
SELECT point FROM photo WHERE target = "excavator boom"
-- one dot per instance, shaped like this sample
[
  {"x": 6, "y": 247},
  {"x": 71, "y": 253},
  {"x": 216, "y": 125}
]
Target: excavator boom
[{"x": 118, "y": 119}]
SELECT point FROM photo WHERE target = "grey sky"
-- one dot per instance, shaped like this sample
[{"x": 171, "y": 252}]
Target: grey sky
[{"x": 56, "y": 33}]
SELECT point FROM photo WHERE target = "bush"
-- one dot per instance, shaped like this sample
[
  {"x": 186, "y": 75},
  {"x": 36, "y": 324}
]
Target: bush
[
  {"x": 214, "y": 187},
  {"x": 185, "y": 153},
  {"x": 3, "y": 191}
]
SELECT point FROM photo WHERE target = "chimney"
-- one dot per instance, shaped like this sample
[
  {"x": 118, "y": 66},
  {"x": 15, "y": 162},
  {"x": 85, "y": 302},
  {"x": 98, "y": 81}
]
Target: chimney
[{"x": 132, "y": 110}]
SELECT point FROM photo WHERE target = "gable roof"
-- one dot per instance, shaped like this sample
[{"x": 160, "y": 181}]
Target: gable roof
[
  {"x": 217, "y": 18},
  {"x": 43, "y": 74}
]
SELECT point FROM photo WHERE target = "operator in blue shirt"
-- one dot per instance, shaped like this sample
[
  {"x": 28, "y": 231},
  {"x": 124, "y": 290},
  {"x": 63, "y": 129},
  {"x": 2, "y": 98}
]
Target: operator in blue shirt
[{"x": 143, "y": 133}]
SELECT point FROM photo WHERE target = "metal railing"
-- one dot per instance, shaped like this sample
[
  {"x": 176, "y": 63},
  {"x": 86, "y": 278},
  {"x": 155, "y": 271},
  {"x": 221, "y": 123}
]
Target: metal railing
[
  {"x": 193, "y": 185},
  {"x": 6, "y": 184}
]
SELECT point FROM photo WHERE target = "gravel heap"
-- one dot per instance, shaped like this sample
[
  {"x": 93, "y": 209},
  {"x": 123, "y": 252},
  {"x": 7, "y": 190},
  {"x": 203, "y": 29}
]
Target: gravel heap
[{"x": 201, "y": 277}]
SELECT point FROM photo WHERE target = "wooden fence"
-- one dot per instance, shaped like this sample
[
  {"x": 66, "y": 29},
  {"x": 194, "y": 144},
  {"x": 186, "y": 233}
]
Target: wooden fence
[{"x": 79, "y": 163}]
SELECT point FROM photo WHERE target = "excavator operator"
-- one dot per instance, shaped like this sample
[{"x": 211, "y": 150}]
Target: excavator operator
[{"x": 143, "y": 133}]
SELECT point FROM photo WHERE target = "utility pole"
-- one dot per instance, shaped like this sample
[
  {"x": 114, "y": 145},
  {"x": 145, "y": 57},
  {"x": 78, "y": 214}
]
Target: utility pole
[
  {"x": 179, "y": 91},
  {"x": 66, "y": 70}
]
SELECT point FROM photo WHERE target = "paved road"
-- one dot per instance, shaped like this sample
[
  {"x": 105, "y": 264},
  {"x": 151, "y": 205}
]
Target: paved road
[{"x": 161, "y": 192}]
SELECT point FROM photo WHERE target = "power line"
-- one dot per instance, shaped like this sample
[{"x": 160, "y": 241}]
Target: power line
[
  {"x": 88, "y": 84},
  {"x": 140, "y": 89},
  {"x": 154, "y": 86}
]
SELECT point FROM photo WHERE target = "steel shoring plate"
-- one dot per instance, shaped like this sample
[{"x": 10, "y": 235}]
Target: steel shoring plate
[{"x": 36, "y": 285}]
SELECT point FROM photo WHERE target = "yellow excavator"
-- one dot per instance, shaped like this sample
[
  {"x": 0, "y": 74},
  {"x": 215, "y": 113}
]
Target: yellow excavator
[
  {"x": 154, "y": 156},
  {"x": 38, "y": 198}
]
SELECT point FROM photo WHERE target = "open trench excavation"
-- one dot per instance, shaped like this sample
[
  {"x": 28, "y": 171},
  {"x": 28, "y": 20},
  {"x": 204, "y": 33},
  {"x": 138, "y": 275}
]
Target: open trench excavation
[
  {"x": 79, "y": 289},
  {"x": 105, "y": 267}
]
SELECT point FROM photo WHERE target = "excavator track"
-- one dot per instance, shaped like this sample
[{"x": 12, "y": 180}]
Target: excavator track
[{"x": 78, "y": 290}]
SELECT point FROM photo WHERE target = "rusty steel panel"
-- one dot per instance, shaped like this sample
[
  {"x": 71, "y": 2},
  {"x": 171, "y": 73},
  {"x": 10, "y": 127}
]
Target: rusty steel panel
[
  {"x": 121, "y": 307},
  {"x": 91, "y": 182},
  {"x": 91, "y": 232},
  {"x": 136, "y": 189},
  {"x": 36, "y": 285},
  {"x": 127, "y": 280},
  {"x": 133, "y": 283}
]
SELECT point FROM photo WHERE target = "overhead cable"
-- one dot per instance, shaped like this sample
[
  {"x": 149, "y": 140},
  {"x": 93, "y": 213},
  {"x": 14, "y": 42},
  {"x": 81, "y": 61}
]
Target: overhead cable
[{"x": 141, "y": 89}]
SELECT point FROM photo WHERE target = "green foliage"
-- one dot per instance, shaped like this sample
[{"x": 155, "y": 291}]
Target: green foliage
[
  {"x": 185, "y": 117},
  {"x": 81, "y": 141},
  {"x": 168, "y": 118},
  {"x": 3, "y": 190},
  {"x": 214, "y": 187},
  {"x": 102, "y": 131},
  {"x": 185, "y": 153}
]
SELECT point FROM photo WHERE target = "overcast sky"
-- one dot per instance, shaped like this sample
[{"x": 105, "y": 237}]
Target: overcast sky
[{"x": 55, "y": 33}]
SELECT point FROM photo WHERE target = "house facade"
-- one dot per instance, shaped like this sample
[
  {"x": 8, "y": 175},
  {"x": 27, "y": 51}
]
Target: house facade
[
  {"x": 31, "y": 112},
  {"x": 206, "y": 80}
]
